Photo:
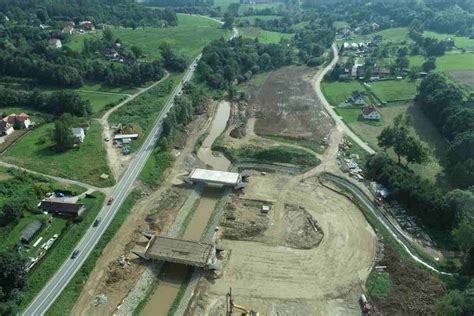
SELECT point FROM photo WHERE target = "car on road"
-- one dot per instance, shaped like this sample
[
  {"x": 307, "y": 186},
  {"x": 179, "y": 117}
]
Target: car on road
[
  {"x": 110, "y": 200},
  {"x": 97, "y": 222},
  {"x": 75, "y": 254},
  {"x": 106, "y": 139}
]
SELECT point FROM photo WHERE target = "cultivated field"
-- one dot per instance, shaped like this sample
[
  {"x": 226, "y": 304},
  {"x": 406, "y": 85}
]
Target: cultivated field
[
  {"x": 463, "y": 77},
  {"x": 286, "y": 106}
]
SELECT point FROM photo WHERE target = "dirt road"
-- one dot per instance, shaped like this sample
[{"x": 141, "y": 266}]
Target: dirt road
[{"x": 339, "y": 123}]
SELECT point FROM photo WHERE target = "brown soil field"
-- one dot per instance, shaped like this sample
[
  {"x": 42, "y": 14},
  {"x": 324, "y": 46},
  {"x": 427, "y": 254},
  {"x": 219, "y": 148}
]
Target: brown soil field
[
  {"x": 286, "y": 105},
  {"x": 464, "y": 77},
  {"x": 414, "y": 291},
  {"x": 275, "y": 275}
]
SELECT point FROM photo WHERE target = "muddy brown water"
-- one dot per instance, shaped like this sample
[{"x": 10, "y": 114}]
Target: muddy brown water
[
  {"x": 219, "y": 162},
  {"x": 173, "y": 275}
]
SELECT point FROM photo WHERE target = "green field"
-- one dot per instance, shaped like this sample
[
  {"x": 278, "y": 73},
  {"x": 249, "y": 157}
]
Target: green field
[
  {"x": 421, "y": 128},
  {"x": 340, "y": 24},
  {"x": 459, "y": 41},
  {"x": 143, "y": 111},
  {"x": 85, "y": 163},
  {"x": 394, "y": 35},
  {"x": 260, "y": 6},
  {"x": 449, "y": 61},
  {"x": 35, "y": 116},
  {"x": 392, "y": 90},
  {"x": 252, "y": 18},
  {"x": 265, "y": 37},
  {"x": 188, "y": 38},
  {"x": 338, "y": 91}
]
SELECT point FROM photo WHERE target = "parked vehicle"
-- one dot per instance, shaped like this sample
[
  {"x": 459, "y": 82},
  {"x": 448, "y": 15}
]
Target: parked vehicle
[{"x": 110, "y": 200}]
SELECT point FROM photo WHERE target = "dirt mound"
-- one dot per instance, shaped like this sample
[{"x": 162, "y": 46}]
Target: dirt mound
[
  {"x": 414, "y": 291},
  {"x": 301, "y": 230},
  {"x": 244, "y": 221}
]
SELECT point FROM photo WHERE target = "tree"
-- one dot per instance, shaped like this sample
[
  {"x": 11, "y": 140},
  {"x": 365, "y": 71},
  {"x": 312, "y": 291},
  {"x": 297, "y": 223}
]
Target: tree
[
  {"x": 107, "y": 35},
  {"x": 402, "y": 62},
  {"x": 233, "y": 8},
  {"x": 414, "y": 151},
  {"x": 386, "y": 138},
  {"x": 429, "y": 65},
  {"x": 450, "y": 305},
  {"x": 464, "y": 234},
  {"x": 462, "y": 201},
  {"x": 228, "y": 21},
  {"x": 137, "y": 51},
  {"x": 62, "y": 135},
  {"x": 13, "y": 277}
]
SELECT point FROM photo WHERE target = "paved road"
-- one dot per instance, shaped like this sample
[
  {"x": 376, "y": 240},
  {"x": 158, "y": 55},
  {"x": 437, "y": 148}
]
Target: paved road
[
  {"x": 396, "y": 234},
  {"x": 66, "y": 272},
  {"x": 339, "y": 123}
]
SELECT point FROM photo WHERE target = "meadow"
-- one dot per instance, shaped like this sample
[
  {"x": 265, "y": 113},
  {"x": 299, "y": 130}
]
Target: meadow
[
  {"x": 85, "y": 163},
  {"x": 265, "y": 37},
  {"x": 392, "y": 90},
  {"x": 449, "y": 61},
  {"x": 461, "y": 42},
  {"x": 338, "y": 91}
]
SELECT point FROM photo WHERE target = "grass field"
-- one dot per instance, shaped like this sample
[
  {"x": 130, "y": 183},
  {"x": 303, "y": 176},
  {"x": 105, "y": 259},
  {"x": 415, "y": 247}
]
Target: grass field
[
  {"x": 379, "y": 284},
  {"x": 459, "y": 41},
  {"x": 338, "y": 91},
  {"x": 143, "y": 111},
  {"x": 394, "y": 35},
  {"x": 85, "y": 163},
  {"x": 340, "y": 24},
  {"x": 421, "y": 127},
  {"x": 391, "y": 90},
  {"x": 453, "y": 61},
  {"x": 188, "y": 38},
  {"x": 265, "y": 37},
  {"x": 260, "y": 6},
  {"x": 252, "y": 18}
]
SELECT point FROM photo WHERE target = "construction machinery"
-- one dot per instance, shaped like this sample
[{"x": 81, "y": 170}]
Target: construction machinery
[
  {"x": 366, "y": 306},
  {"x": 230, "y": 307}
]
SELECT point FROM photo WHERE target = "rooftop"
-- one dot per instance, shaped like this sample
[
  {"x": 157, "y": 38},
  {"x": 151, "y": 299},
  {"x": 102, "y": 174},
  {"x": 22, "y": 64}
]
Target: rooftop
[
  {"x": 221, "y": 177},
  {"x": 186, "y": 252}
]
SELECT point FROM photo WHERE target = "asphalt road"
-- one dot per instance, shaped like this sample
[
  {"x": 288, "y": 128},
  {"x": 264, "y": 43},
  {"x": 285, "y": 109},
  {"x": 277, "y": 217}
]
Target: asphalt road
[
  {"x": 396, "y": 234},
  {"x": 66, "y": 272}
]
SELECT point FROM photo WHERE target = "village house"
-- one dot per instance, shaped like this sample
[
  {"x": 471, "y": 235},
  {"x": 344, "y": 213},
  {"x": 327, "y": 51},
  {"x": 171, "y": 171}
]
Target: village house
[
  {"x": 374, "y": 27},
  {"x": 68, "y": 29},
  {"x": 62, "y": 208},
  {"x": 87, "y": 25},
  {"x": 11, "y": 122},
  {"x": 55, "y": 43},
  {"x": 78, "y": 134},
  {"x": 357, "y": 98},
  {"x": 370, "y": 113},
  {"x": 449, "y": 42},
  {"x": 377, "y": 38}
]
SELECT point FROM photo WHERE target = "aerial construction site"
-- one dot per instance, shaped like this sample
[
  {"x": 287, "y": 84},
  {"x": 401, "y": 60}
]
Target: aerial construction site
[{"x": 232, "y": 229}]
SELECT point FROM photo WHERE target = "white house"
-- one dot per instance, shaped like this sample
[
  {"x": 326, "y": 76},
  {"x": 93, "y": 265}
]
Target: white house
[
  {"x": 370, "y": 113},
  {"x": 78, "y": 134},
  {"x": 56, "y": 43}
]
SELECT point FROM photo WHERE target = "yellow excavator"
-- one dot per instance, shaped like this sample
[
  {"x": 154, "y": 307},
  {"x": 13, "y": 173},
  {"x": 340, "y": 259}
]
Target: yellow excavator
[{"x": 230, "y": 307}]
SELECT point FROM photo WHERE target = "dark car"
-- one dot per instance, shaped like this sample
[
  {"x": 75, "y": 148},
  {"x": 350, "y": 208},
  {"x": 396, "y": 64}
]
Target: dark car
[
  {"x": 96, "y": 222},
  {"x": 110, "y": 200},
  {"x": 75, "y": 254}
]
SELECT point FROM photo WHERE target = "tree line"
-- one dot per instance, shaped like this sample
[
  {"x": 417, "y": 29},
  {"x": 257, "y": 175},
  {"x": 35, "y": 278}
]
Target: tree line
[
  {"x": 443, "y": 104},
  {"x": 115, "y": 12},
  {"x": 225, "y": 62}
]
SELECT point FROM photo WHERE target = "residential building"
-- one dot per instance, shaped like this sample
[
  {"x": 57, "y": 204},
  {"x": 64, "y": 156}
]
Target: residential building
[
  {"x": 374, "y": 27},
  {"x": 357, "y": 98},
  {"x": 55, "y": 43},
  {"x": 5, "y": 128},
  {"x": 87, "y": 25},
  {"x": 370, "y": 113},
  {"x": 11, "y": 122},
  {"x": 449, "y": 42},
  {"x": 78, "y": 134},
  {"x": 62, "y": 208},
  {"x": 22, "y": 121},
  {"x": 68, "y": 29}
]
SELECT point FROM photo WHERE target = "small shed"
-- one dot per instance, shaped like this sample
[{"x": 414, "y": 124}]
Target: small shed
[{"x": 31, "y": 230}]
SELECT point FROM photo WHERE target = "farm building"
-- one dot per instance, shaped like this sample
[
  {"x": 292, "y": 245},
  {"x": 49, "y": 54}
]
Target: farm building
[
  {"x": 370, "y": 113},
  {"x": 31, "y": 230},
  {"x": 62, "y": 208},
  {"x": 11, "y": 122}
]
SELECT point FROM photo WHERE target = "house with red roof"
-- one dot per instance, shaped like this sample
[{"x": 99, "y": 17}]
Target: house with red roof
[
  {"x": 371, "y": 113},
  {"x": 11, "y": 122}
]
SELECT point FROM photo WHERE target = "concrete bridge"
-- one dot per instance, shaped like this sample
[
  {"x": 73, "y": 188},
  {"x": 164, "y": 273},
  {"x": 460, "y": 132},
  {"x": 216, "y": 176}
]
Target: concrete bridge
[{"x": 214, "y": 178}]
